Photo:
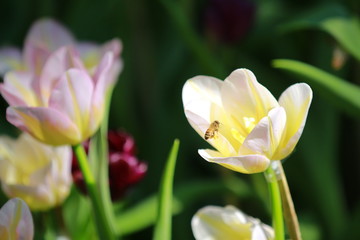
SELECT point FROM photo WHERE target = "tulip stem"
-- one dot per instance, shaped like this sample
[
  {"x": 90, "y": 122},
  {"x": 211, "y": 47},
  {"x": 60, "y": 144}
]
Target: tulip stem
[
  {"x": 277, "y": 214},
  {"x": 290, "y": 216},
  {"x": 103, "y": 223}
]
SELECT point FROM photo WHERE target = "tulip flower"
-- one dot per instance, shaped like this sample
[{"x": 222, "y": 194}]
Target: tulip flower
[
  {"x": 16, "y": 222},
  {"x": 254, "y": 128},
  {"x": 39, "y": 174},
  {"x": 218, "y": 223},
  {"x": 45, "y": 37},
  {"x": 64, "y": 105},
  {"x": 125, "y": 170}
]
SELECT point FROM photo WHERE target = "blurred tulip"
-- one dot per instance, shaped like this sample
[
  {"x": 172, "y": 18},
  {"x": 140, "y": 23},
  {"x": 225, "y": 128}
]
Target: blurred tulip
[
  {"x": 228, "y": 21},
  {"x": 38, "y": 173},
  {"x": 16, "y": 222},
  {"x": 64, "y": 105},
  {"x": 218, "y": 223},
  {"x": 45, "y": 37},
  {"x": 125, "y": 169},
  {"x": 253, "y": 127}
]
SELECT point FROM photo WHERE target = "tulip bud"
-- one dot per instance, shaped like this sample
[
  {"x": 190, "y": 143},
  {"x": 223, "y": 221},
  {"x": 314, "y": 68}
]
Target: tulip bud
[{"x": 125, "y": 169}]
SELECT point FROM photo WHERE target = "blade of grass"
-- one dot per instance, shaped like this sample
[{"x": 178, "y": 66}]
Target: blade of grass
[
  {"x": 162, "y": 229},
  {"x": 339, "y": 92},
  {"x": 143, "y": 214}
]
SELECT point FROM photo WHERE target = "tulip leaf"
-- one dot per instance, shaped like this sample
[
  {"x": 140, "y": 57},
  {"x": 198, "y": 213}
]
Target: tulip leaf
[
  {"x": 335, "y": 21},
  {"x": 143, "y": 214},
  {"x": 77, "y": 212},
  {"x": 16, "y": 221},
  {"x": 162, "y": 229},
  {"x": 341, "y": 93}
]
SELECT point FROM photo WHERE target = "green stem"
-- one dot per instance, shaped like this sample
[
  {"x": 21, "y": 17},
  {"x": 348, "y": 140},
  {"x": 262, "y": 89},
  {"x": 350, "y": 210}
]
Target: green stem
[
  {"x": 277, "y": 214},
  {"x": 102, "y": 222}
]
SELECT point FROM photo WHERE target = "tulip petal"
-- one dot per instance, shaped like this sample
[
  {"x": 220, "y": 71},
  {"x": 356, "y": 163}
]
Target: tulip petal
[
  {"x": 90, "y": 54},
  {"x": 44, "y": 37},
  {"x": 296, "y": 101},
  {"x": 114, "y": 46},
  {"x": 217, "y": 223},
  {"x": 220, "y": 223},
  {"x": 17, "y": 89},
  {"x": 264, "y": 139},
  {"x": 10, "y": 59},
  {"x": 202, "y": 106},
  {"x": 59, "y": 62},
  {"x": 244, "y": 164},
  {"x": 15, "y": 216},
  {"x": 101, "y": 81},
  {"x": 246, "y": 100},
  {"x": 72, "y": 96},
  {"x": 45, "y": 124}
]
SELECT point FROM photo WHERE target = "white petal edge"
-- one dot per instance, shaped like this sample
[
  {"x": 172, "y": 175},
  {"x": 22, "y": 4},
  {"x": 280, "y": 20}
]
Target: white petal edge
[
  {"x": 296, "y": 101},
  {"x": 248, "y": 164}
]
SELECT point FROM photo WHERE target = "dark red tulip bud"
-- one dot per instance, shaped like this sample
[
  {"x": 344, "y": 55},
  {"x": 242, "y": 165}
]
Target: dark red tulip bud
[{"x": 125, "y": 169}]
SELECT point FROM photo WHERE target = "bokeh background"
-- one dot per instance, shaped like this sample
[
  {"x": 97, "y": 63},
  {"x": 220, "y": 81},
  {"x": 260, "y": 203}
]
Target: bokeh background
[{"x": 167, "y": 42}]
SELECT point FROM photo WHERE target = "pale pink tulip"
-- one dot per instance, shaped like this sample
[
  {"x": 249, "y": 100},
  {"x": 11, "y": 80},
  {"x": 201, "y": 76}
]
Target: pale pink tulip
[
  {"x": 64, "y": 105},
  {"x": 45, "y": 37},
  {"x": 16, "y": 222}
]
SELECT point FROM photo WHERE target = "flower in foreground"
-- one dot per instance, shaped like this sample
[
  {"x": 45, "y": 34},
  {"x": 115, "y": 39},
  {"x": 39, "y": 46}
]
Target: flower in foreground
[
  {"x": 254, "y": 128},
  {"x": 220, "y": 223},
  {"x": 125, "y": 170},
  {"x": 16, "y": 222},
  {"x": 64, "y": 105},
  {"x": 45, "y": 37},
  {"x": 37, "y": 173}
]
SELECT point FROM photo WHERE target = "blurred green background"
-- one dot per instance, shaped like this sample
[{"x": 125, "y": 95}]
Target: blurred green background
[{"x": 167, "y": 42}]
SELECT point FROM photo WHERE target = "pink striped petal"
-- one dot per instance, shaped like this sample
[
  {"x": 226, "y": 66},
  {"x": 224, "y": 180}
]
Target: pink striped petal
[
  {"x": 17, "y": 89},
  {"x": 72, "y": 96},
  {"x": 10, "y": 59},
  {"x": 45, "y": 124},
  {"x": 44, "y": 37},
  {"x": 16, "y": 220},
  {"x": 58, "y": 62}
]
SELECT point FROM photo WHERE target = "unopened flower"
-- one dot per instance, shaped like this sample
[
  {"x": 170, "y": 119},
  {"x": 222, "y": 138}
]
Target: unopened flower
[
  {"x": 16, "y": 222},
  {"x": 125, "y": 169},
  {"x": 45, "y": 37},
  {"x": 220, "y": 223},
  {"x": 37, "y": 173},
  {"x": 64, "y": 105},
  {"x": 253, "y": 127}
]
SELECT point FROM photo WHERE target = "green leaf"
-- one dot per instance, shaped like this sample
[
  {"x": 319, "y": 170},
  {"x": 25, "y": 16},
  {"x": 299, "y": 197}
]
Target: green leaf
[
  {"x": 162, "y": 229},
  {"x": 335, "y": 21},
  {"x": 144, "y": 214},
  {"x": 77, "y": 212},
  {"x": 344, "y": 95}
]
